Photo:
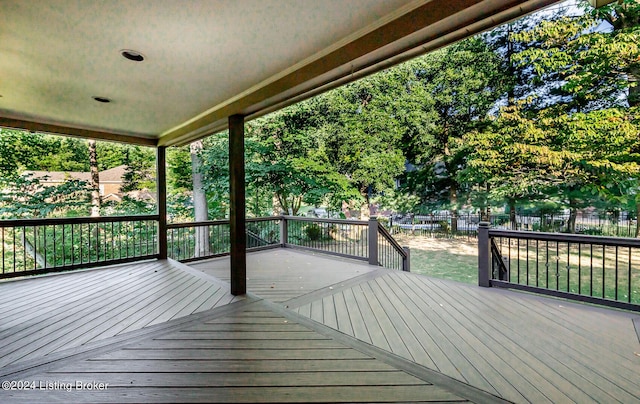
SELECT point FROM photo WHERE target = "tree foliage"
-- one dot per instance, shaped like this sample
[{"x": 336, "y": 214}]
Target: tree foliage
[{"x": 24, "y": 197}]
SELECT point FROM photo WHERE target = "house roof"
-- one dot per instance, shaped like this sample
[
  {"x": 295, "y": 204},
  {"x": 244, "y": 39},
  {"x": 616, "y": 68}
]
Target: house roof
[
  {"x": 112, "y": 175},
  {"x": 205, "y": 60}
]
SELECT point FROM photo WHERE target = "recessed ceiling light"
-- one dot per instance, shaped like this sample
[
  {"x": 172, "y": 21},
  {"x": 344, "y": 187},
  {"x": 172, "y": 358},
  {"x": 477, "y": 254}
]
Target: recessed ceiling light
[
  {"x": 102, "y": 99},
  {"x": 132, "y": 55}
]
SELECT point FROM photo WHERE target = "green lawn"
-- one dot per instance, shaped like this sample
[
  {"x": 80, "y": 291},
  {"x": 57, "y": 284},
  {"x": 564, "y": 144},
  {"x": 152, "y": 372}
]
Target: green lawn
[
  {"x": 453, "y": 259},
  {"x": 572, "y": 269}
]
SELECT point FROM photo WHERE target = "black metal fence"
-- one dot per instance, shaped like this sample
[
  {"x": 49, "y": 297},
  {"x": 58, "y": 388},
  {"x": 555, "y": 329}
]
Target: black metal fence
[
  {"x": 446, "y": 225},
  {"x": 356, "y": 239},
  {"x": 201, "y": 240},
  {"x": 34, "y": 246},
  {"x": 391, "y": 254},
  {"x": 347, "y": 238},
  {"x": 602, "y": 270}
]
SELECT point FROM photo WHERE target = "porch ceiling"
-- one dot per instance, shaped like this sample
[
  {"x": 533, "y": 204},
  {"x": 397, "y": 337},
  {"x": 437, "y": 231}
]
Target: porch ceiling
[{"x": 206, "y": 59}]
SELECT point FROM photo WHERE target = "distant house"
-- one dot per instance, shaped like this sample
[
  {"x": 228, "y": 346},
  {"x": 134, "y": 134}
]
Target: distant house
[{"x": 111, "y": 180}]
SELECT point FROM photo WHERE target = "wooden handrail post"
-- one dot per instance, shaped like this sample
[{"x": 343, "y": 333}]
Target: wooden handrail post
[
  {"x": 373, "y": 240},
  {"x": 406, "y": 263},
  {"x": 484, "y": 255},
  {"x": 284, "y": 231}
]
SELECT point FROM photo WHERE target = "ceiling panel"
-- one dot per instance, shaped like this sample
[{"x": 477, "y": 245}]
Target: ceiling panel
[{"x": 204, "y": 59}]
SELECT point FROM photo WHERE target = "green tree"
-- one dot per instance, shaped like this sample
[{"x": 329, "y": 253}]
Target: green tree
[
  {"x": 572, "y": 157},
  {"x": 586, "y": 63},
  {"x": 289, "y": 159},
  {"x": 362, "y": 136},
  {"x": 592, "y": 60},
  {"x": 454, "y": 89},
  {"x": 139, "y": 169},
  {"x": 25, "y": 197}
]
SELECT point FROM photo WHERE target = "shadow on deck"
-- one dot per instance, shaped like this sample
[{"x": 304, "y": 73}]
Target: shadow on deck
[{"x": 313, "y": 328}]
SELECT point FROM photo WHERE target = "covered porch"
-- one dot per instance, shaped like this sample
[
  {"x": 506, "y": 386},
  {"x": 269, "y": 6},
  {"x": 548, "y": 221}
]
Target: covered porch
[
  {"x": 276, "y": 325},
  {"x": 311, "y": 328},
  {"x": 172, "y": 74}
]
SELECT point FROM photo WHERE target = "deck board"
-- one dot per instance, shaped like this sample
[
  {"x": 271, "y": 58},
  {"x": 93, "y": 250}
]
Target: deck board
[
  {"x": 283, "y": 274},
  {"x": 97, "y": 304},
  {"x": 341, "y": 329},
  {"x": 255, "y": 363},
  {"x": 521, "y": 347},
  {"x": 555, "y": 362}
]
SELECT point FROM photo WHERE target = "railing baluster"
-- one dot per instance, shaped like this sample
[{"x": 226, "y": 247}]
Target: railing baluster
[
  {"x": 579, "y": 268},
  {"x": 14, "y": 250},
  {"x": 568, "y": 266},
  {"x": 537, "y": 263},
  {"x": 527, "y": 259},
  {"x": 605, "y": 279},
  {"x": 518, "y": 255},
  {"x": 604, "y": 260},
  {"x": 629, "y": 278},
  {"x": 3, "y": 247},
  {"x": 24, "y": 250},
  {"x": 557, "y": 265},
  {"x": 616, "y": 277},
  {"x": 591, "y": 272}
]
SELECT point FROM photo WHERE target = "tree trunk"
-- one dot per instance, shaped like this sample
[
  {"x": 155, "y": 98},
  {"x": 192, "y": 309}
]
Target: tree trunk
[
  {"x": 94, "y": 181},
  {"x": 284, "y": 204},
  {"x": 637, "y": 219},
  {"x": 296, "y": 203},
  {"x": 512, "y": 214},
  {"x": 200, "y": 208},
  {"x": 453, "y": 199},
  {"x": 30, "y": 249},
  {"x": 365, "y": 208},
  {"x": 488, "y": 217},
  {"x": 573, "y": 215}
]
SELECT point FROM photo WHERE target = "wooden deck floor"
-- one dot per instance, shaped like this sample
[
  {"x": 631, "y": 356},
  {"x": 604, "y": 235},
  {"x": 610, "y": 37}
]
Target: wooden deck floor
[
  {"x": 43, "y": 315},
  {"x": 517, "y": 346},
  {"x": 340, "y": 331},
  {"x": 249, "y": 355},
  {"x": 282, "y": 274}
]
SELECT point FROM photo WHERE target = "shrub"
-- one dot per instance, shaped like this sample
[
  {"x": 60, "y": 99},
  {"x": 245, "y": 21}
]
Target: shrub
[{"x": 313, "y": 232}]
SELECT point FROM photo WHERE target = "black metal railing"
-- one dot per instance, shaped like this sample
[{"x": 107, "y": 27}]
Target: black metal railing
[
  {"x": 356, "y": 239},
  {"x": 201, "y": 240},
  {"x": 596, "y": 269},
  {"x": 347, "y": 238},
  {"x": 448, "y": 225},
  {"x": 35, "y": 246},
  {"x": 391, "y": 254}
]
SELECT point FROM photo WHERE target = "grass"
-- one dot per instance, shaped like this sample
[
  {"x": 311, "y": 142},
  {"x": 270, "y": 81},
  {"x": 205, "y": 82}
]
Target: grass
[
  {"x": 453, "y": 259},
  {"x": 558, "y": 266},
  {"x": 582, "y": 269}
]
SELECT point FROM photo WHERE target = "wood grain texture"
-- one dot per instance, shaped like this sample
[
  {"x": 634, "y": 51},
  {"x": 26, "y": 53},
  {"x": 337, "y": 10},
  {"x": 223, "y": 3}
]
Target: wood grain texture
[
  {"x": 517, "y": 346},
  {"x": 242, "y": 357},
  {"x": 44, "y": 315},
  {"x": 520, "y": 347},
  {"x": 283, "y": 274}
]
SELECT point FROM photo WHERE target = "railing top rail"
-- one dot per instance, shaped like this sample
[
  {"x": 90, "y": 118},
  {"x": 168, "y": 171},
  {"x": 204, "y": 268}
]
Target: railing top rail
[
  {"x": 263, "y": 219},
  {"x": 201, "y": 223},
  {"x": 220, "y": 222},
  {"x": 317, "y": 219},
  {"x": 74, "y": 220},
  {"x": 565, "y": 237},
  {"x": 392, "y": 241}
]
